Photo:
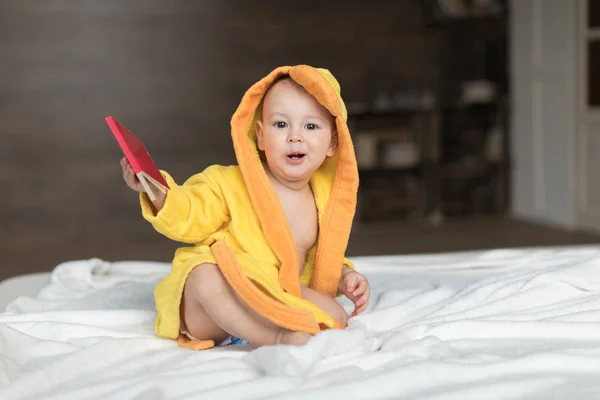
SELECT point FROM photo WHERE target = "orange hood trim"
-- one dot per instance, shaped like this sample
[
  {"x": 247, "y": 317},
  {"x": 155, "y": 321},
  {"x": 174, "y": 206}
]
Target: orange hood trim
[{"x": 339, "y": 173}]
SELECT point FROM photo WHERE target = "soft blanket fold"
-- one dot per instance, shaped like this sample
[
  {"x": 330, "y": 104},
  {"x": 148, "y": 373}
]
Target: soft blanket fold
[{"x": 518, "y": 324}]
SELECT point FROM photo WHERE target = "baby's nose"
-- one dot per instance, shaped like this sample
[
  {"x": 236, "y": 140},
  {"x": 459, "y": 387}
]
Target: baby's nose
[{"x": 294, "y": 138}]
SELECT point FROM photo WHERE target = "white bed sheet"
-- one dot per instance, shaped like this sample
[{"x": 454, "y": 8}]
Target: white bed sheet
[
  {"x": 22, "y": 285},
  {"x": 517, "y": 323}
]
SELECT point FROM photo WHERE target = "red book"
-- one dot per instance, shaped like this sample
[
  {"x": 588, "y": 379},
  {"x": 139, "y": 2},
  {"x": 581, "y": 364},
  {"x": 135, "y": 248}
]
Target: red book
[{"x": 139, "y": 158}]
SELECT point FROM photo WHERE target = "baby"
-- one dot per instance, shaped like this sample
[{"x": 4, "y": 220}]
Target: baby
[{"x": 267, "y": 236}]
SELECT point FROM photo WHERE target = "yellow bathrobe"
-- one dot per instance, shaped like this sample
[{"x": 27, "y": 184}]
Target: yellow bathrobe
[{"x": 231, "y": 216}]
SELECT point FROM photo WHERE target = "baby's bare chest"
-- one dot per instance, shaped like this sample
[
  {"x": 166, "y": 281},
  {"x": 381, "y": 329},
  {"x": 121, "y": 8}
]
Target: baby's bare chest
[{"x": 302, "y": 217}]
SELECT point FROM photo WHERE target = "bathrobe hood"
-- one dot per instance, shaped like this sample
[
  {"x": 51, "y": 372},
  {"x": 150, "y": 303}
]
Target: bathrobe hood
[{"x": 335, "y": 183}]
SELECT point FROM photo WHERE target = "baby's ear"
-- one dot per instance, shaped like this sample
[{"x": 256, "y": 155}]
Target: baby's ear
[
  {"x": 259, "y": 135},
  {"x": 334, "y": 143}
]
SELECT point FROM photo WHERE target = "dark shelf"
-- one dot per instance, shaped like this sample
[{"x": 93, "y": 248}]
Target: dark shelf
[
  {"x": 393, "y": 171},
  {"x": 467, "y": 171},
  {"x": 440, "y": 21},
  {"x": 395, "y": 112},
  {"x": 471, "y": 106}
]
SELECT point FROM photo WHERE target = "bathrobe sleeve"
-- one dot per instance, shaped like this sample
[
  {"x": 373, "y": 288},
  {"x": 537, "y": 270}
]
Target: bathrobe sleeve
[
  {"x": 348, "y": 263},
  {"x": 192, "y": 211}
]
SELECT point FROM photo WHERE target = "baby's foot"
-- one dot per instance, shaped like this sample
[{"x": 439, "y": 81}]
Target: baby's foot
[{"x": 292, "y": 338}]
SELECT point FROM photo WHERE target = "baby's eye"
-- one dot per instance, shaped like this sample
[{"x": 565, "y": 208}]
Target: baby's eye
[
  {"x": 280, "y": 124},
  {"x": 311, "y": 126}
]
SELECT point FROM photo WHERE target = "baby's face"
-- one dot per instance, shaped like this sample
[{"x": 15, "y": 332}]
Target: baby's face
[{"x": 296, "y": 132}]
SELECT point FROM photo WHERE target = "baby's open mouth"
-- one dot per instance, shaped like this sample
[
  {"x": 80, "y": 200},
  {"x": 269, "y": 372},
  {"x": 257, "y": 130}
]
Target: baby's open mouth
[{"x": 296, "y": 155}]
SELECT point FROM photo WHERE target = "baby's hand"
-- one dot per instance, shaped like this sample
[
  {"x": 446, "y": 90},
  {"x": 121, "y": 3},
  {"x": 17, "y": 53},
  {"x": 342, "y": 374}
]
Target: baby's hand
[
  {"x": 133, "y": 182},
  {"x": 129, "y": 176},
  {"x": 355, "y": 287}
]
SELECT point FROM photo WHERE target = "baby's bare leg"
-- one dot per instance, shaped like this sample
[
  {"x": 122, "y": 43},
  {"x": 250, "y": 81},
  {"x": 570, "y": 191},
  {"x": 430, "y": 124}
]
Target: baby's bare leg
[
  {"x": 197, "y": 321},
  {"x": 213, "y": 308},
  {"x": 326, "y": 303}
]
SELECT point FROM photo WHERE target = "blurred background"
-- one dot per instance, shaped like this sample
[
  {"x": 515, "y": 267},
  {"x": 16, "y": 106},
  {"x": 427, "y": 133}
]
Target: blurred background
[{"x": 474, "y": 121}]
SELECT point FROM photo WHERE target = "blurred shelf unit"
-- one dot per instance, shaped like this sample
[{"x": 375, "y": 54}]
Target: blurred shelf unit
[
  {"x": 441, "y": 151},
  {"x": 395, "y": 150},
  {"x": 429, "y": 161}
]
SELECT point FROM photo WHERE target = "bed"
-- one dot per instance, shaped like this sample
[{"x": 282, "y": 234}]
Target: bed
[{"x": 497, "y": 324}]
